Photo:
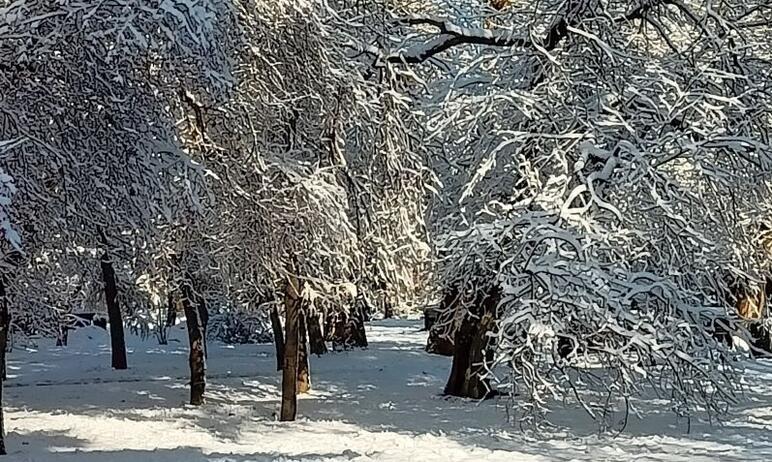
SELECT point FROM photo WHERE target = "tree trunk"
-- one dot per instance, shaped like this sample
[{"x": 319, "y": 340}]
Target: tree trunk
[
  {"x": 62, "y": 335},
  {"x": 117, "y": 341},
  {"x": 761, "y": 339},
  {"x": 278, "y": 337},
  {"x": 431, "y": 316},
  {"x": 203, "y": 314},
  {"x": 304, "y": 371},
  {"x": 339, "y": 322},
  {"x": 5, "y": 332},
  {"x": 461, "y": 358},
  {"x": 472, "y": 352},
  {"x": 349, "y": 330},
  {"x": 441, "y": 324},
  {"x": 366, "y": 308},
  {"x": 330, "y": 322},
  {"x": 196, "y": 359},
  {"x": 481, "y": 355},
  {"x": 388, "y": 310},
  {"x": 161, "y": 329},
  {"x": 357, "y": 326},
  {"x": 289, "y": 380},
  {"x": 171, "y": 310},
  {"x": 315, "y": 336},
  {"x": 439, "y": 344},
  {"x": 4, "y": 323}
]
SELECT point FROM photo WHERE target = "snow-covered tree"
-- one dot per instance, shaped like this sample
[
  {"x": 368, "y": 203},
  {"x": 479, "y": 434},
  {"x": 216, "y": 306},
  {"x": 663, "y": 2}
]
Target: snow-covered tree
[
  {"x": 606, "y": 166},
  {"x": 95, "y": 153},
  {"x": 292, "y": 146}
]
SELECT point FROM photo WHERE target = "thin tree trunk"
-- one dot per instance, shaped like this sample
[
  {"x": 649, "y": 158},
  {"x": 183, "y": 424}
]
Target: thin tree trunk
[
  {"x": 203, "y": 314},
  {"x": 196, "y": 359},
  {"x": 4, "y": 323},
  {"x": 290, "y": 368},
  {"x": 338, "y": 333},
  {"x": 171, "y": 310},
  {"x": 388, "y": 310},
  {"x": 349, "y": 330},
  {"x": 61, "y": 333},
  {"x": 330, "y": 322},
  {"x": 5, "y": 332},
  {"x": 430, "y": 318},
  {"x": 2, "y": 419},
  {"x": 304, "y": 371},
  {"x": 367, "y": 308},
  {"x": 357, "y": 326},
  {"x": 2, "y": 422},
  {"x": 278, "y": 337},
  {"x": 117, "y": 341},
  {"x": 388, "y": 307},
  {"x": 315, "y": 336}
]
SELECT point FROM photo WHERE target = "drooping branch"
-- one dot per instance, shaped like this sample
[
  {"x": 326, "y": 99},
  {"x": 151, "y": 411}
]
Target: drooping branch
[{"x": 452, "y": 35}]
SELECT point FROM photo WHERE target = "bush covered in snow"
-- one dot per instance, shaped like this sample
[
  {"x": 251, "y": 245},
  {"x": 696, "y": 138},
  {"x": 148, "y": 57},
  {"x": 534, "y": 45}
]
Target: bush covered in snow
[{"x": 239, "y": 328}]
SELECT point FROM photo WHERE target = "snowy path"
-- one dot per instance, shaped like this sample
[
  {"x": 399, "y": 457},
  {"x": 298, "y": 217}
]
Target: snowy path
[{"x": 380, "y": 404}]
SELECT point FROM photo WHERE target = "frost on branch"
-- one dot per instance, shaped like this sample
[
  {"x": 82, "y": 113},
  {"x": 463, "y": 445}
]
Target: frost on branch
[
  {"x": 7, "y": 190},
  {"x": 312, "y": 165},
  {"x": 97, "y": 163},
  {"x": 612, "y": 186}
]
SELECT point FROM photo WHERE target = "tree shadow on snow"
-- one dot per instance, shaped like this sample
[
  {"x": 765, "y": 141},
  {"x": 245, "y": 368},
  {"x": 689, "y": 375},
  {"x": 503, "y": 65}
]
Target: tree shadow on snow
[
  {"x": 391, "y": 387},
  {"x": 187, "y": 454}
]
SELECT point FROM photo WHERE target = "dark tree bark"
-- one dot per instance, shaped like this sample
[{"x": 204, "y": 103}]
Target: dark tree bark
[
  {"x": 5, "y": 332},
  {"x": 289, "y": 388},
  {"x": 761, "y": 339},
  {"x": 349, "y": 330},
  {"x": 171, "y": 310},
  {"x": 330, "y": 323},
  {"x": 304, "y": 371},
  {"x": 388, "y": 310},
  {"x": 461, "y": 358},
  {"x": 439, "y": 344},
  {"x": 117, "y": 341},
  {"x": 481, "y": 355},
  {"x": 366, "y": 308},
  {"x": 357, "y": 323},
  {"x": 203, "y": 316},
  {"x": 440, "y": 323},
  {"x": 339, "y": 322},
  {"x": 62, "y": 336},
  {"x": 5, "y": 319},
  {"x": 430, "y": 318},
  {"x": 196, "y": 359},
  {"x": 472, "y": 352},
  {"x": 2, "y": 422},
  {"x": 315, "y": 336},
  {"x": 278, "y": 337}
]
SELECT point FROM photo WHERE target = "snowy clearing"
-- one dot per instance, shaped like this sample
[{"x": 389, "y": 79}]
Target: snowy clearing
[{"x": 380, "y": 404}]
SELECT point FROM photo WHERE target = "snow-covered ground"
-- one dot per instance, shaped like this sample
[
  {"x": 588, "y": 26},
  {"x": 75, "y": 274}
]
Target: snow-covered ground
[{"x": 379, "y": 404}]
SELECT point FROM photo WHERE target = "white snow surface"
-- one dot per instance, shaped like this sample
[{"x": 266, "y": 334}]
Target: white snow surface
[{"x": 378, "y": 404}]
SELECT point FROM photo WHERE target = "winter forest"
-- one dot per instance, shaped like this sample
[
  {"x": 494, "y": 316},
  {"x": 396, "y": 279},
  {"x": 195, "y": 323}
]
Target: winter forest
[{"x": 385, "y": 230}]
